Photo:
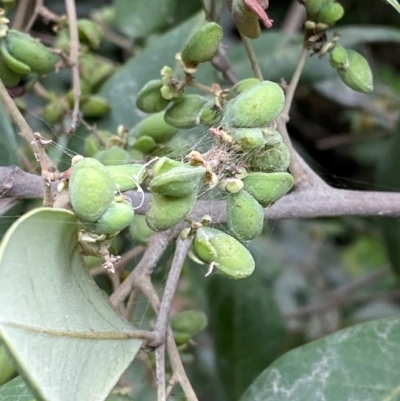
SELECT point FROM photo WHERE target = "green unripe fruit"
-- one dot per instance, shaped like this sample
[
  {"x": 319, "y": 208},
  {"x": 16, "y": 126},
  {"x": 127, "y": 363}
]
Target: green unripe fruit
[
  {"x": 339, "y": 58},
  {"x": 144, "y": 144},
  {"x": 166, "y": 211},
  {"x": 230, "y": 257},
  {"x": 241, "y": 86},
  {"x": 128, "y": 176},
  {"x": 165, "y": 164},
  {"x": 149, "y": 99},
  {"x": 53, "y": 112},
  {"x": 272, "y": 137},
  {"x": 140, "y": 231},
  {"x": 89, "y": 33},
  {"x": 91, "y": 189},
  {"x": 179, "y": 181},
  {"x": 7, "y": 367},
  {"x": 246, "y": 21},
  {"x": 94, "y": 71},
  {"x": 31, "y": 52},
  {"x": 331, "y": 13},
  {"x": 92, "y": 145},
  {"x": 203, "y": 44},
  {"x": 245, "y": 216},
  {"x": 113, "y": 156},
  {"x": 185, "y": 114},
  {"x": 181, "y": 338},
  {"x": 272, "y": 159},
  {"x": 358, "y": 74},
  {"x": 154, "y": 126},
  {"x": 258, "y": 106},
  {"x": 9, "y": 77},
  {"x": 118, "y": 216},
  {"x": 12, "y": 63},
  {"x": 95, "y": 106},
  {"x": 190, "y": 322},
  {"x": 249, "y": 138},
  {"x": 314, "y": 7},
  {"x": 210, "y": 114},
  {"x": 267, "y": 188}
]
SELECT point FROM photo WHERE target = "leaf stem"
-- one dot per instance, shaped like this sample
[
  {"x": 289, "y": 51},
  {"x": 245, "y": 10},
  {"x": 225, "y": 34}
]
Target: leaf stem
[{"x": 252, "y": 56}]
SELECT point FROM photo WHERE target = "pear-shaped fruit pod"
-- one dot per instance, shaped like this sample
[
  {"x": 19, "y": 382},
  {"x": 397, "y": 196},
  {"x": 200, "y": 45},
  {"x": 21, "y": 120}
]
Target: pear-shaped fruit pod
[
  {"x": 185, "y": 114},
  {"x": 128, "y": 176},
  {"x": 165, "y": 164},
  {"x": 9, "y": 77},
  {"x": 113, "y": 156},
  {"x": 89, "y": 33},
  {"x": 179, "y": 181},
  {"x": 190, "y": 322},
  {"x": 272, "y": 159},
  {"x": 258, "y": 106},
  {"x": 267, "y": 188},
  {"x": 139, "y": 230},
  {"x": 149, "y": 99},
  {"x": 166, "y": 211},
  {"x": 12, "y": 63},
  {"x": 245, "y": 216},
  {"x": 229, "y": 256},
  {"x": 94, "y": 71},
  {"x": 95, "y": 107},
  {"x": 153, "y": 126},
  {"x": 241, "y": 86},
  {"x": 91, "y": 189},
  {"x": 357, "y": 75},
  {"x": 203, "y": 45},
  {"x": 92, "y": 144},
  {"x": 144, "y": 144},
  {"x": 210, "y": 114},
  {"x": 272, "y": 136},
  {"x": 31, "y": 52},
  {"x": 249, "y": 138},
  {"x": 118, "y": 216}
]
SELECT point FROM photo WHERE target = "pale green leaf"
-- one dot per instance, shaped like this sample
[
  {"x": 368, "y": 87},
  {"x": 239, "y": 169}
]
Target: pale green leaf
[
  {"x": 67, "y": 340},
  {"x": 360, "y": 363},
  {"x": 395, "y": 4},
  {"x": 16, "y": 390}
]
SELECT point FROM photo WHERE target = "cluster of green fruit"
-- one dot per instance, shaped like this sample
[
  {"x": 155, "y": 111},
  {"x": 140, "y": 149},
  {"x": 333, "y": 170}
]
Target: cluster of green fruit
[
  {"x": 95, "y": 193},
  {"x": 93, "y": 72},
  {"x": 23, "y": 58},
  {"x": 352, "y": 68}
]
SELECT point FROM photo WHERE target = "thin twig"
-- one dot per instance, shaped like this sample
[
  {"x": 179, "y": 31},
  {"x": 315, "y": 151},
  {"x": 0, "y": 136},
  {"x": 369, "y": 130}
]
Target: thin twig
[
  {"x": 160, "y": 327},
  {"x": 160, "y": 373},
  {"x": 220, "y": 63},
  {"x": 73, "y": 55},
  {"x": 252, "y": 56},
  {"x": 294, "y": 18},
  {"x": 24, "y": 8},
  {"x": 131, "y": 304},
  {"x": 290, "y": 90},
  {"x": 189, "y": 81},
  {"x": 155, "y": 248}
]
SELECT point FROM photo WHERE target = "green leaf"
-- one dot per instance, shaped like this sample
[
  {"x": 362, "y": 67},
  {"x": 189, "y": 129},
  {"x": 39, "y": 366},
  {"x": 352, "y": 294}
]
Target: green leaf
[
  {"x": 359, "y": 363},
  {"x": 8, "y": 142},
  {"x": 78, "y": 345},
  {"x": 7, "y": 368},
  {"x": 16, "y": 390},
  {"x": 121, "y": 89},
  {"x": 139, "y": 18},
  {"x": 247, "y": 328},
  {"x": 394, "y": 4}
]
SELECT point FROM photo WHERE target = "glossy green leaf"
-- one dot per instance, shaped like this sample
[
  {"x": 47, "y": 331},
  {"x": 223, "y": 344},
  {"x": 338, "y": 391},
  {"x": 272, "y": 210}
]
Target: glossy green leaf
[
  {"x": 278, "y": 53},
  {"x": 16, "y": 390},
  {"x": 358, "y": 363},
  {"x": 8, "y": 142},
  {"x": 49, "y": 301},
  {"x": 139, "y": 18},
  {"x": 395, "y": 4},
  {"x": 247, "y": 328},
  {"x": 121, "y": 89}
]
